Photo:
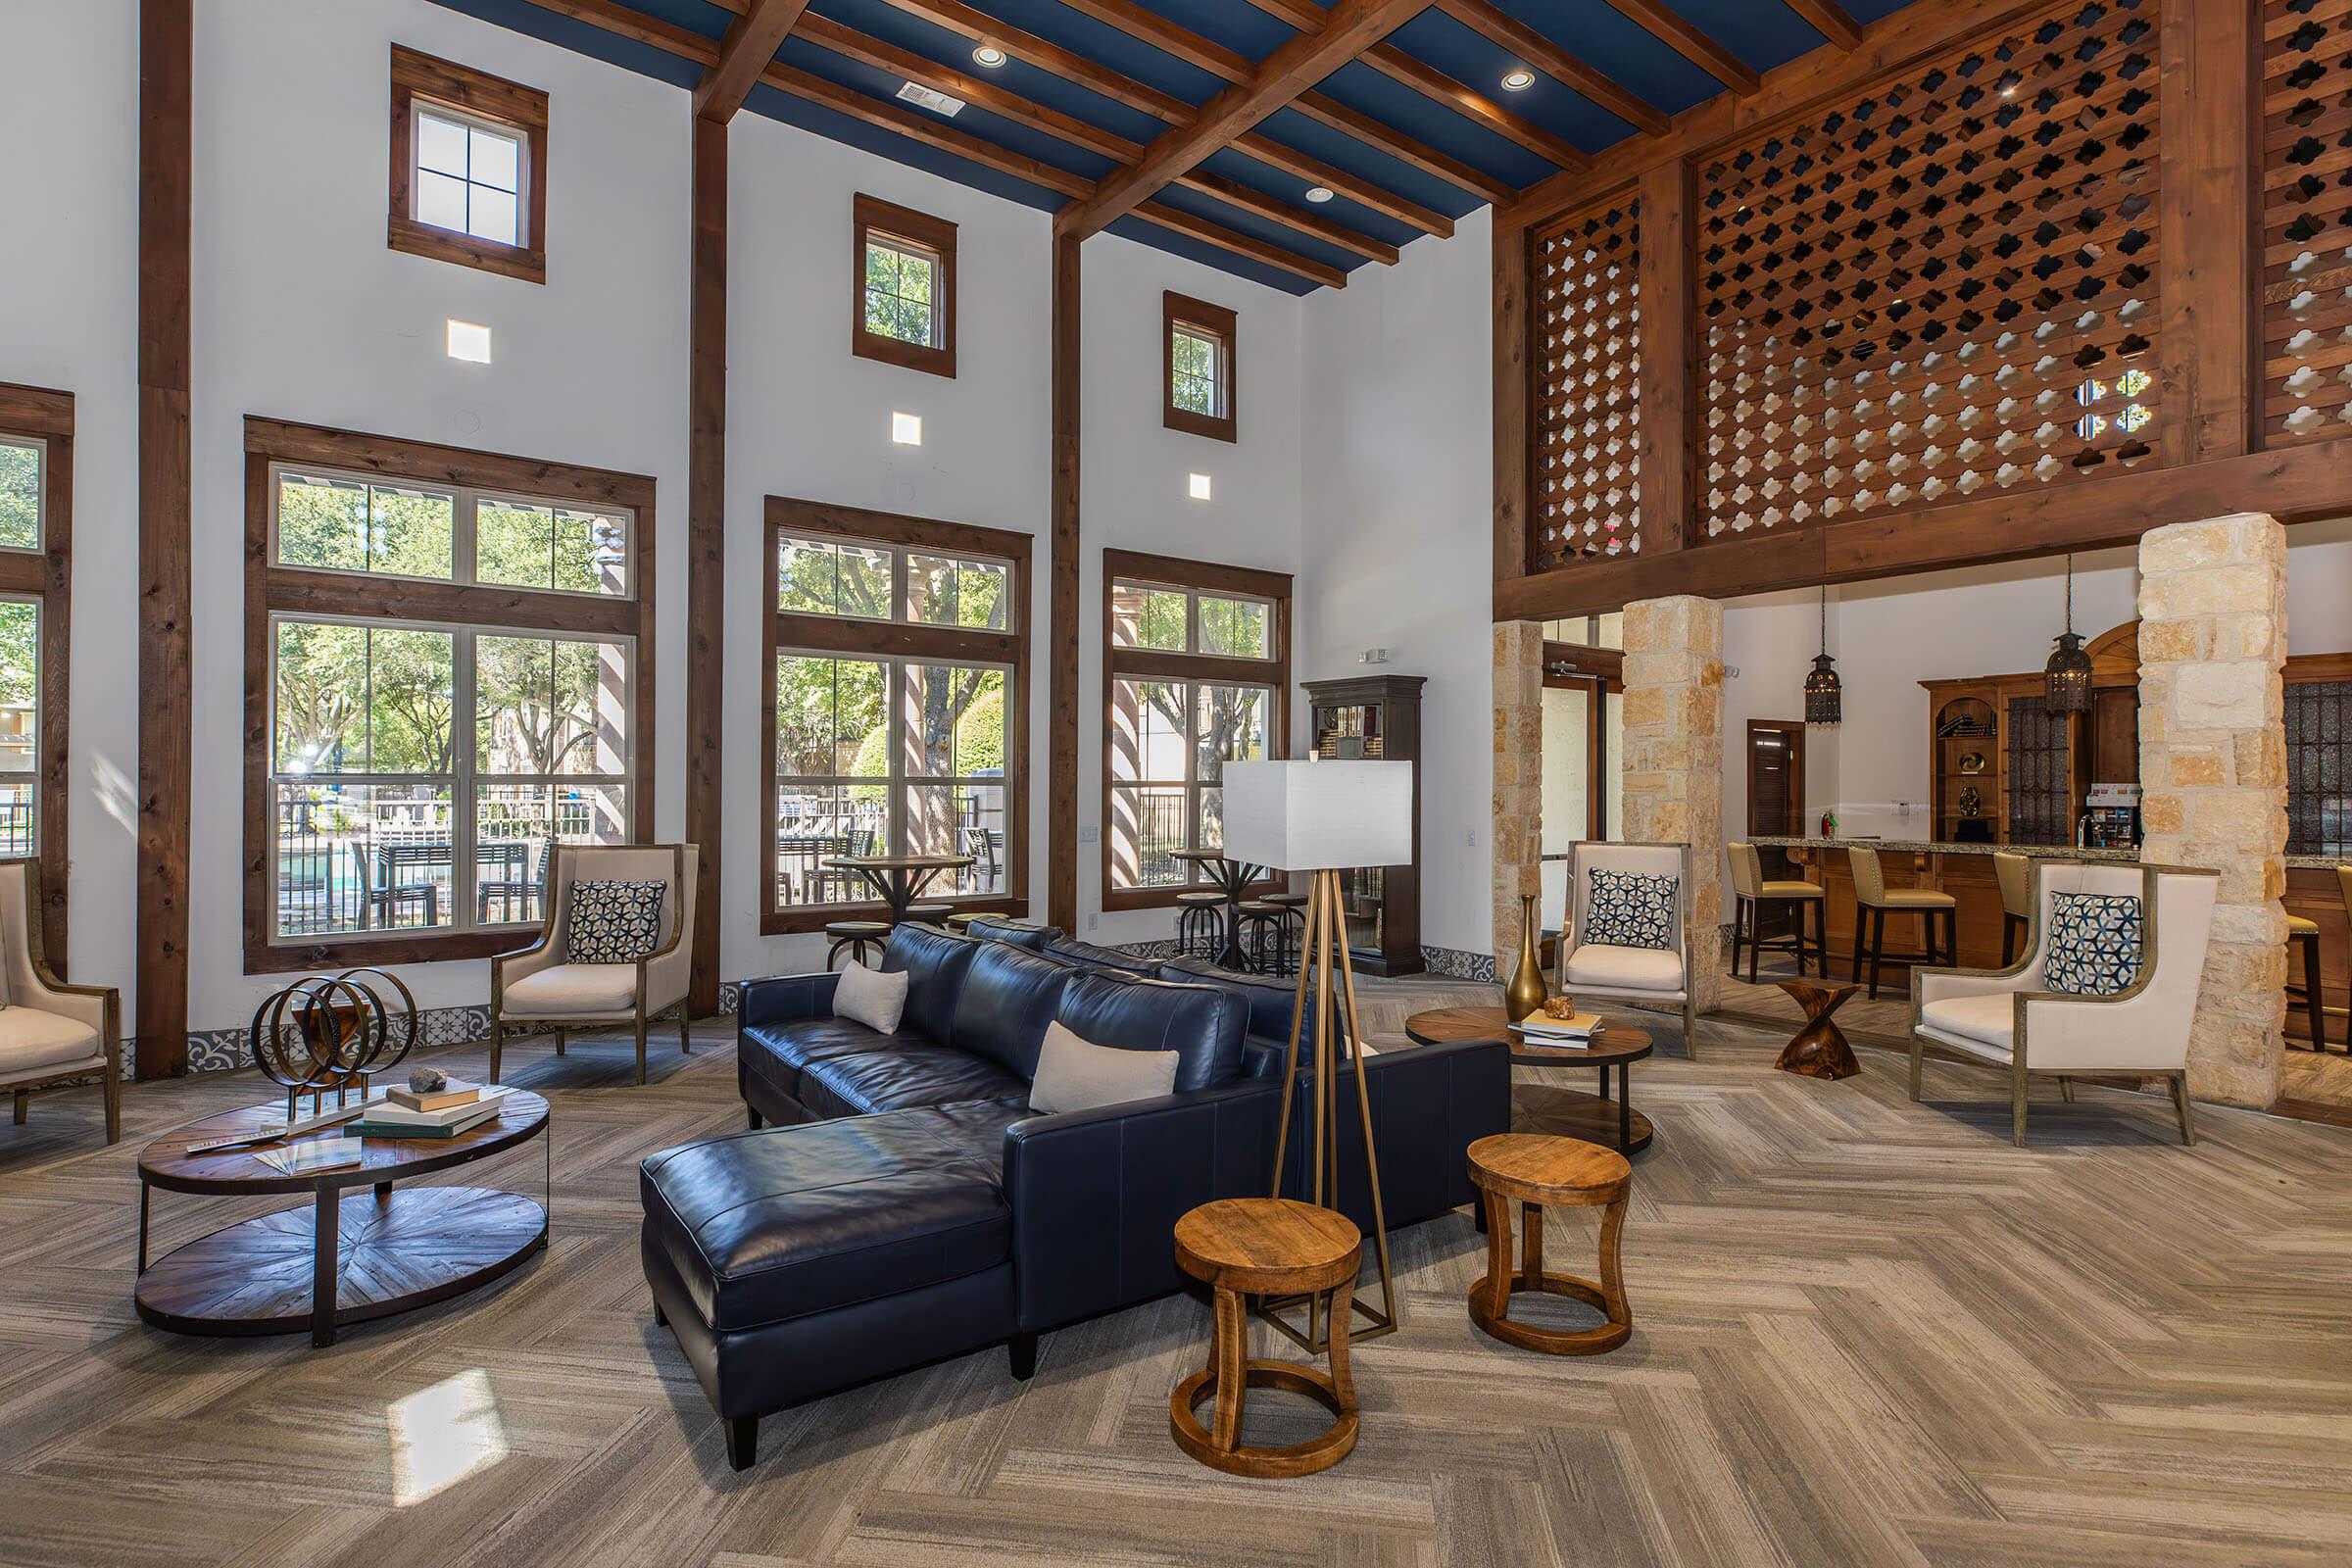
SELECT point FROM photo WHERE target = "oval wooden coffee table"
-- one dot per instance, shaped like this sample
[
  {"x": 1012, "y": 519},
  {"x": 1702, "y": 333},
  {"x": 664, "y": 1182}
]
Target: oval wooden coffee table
[
  {"x": 1569, "y": 1112},
  {"x": 342, "y": 1260}
]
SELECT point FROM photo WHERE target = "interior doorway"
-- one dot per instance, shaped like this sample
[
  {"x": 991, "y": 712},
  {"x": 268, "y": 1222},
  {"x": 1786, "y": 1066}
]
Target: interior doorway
[{"x": 1775, "y": 805}]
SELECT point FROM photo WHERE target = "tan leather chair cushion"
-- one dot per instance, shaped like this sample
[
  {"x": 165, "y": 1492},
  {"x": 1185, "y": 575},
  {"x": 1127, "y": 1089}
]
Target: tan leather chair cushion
[
  {"x": 31, "y": 1040},
  {"x": 1989, "y": 1020},
  {"x": 572, "y": 991},
  {"x": 2299, "y": 926},
  {"x": 1916, "y": 898},
  {"x": 1790, "y": 890},
  {"x": 1596, "y": 963}
]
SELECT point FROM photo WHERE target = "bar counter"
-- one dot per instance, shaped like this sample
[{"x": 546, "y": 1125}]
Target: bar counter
[{"x": 1966, "y": 871}]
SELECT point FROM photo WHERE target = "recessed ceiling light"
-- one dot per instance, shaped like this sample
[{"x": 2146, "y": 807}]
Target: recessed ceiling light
[
  {"x": 1318, "y": 193},
  {"x": 907, "y": 430},
  {"x": 1199, "y": 486},
  {"x": 469, "y": 341},
  {"x": 1518, "y": 80},
  {"x": 989, "y": 55}
]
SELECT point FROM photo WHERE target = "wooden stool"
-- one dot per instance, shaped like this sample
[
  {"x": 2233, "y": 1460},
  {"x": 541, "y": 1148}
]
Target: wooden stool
[
  {"x": 1820, "y": 1048},
  {"x": 1243, "y": 1246},
  {"x": 856, "y": 936},
  {"x": 960, "y": 922},
  {"x": 2304, "y": 932},
  {"x": 1534, "y": 1170},
  {"x": 927, "y": 914}
]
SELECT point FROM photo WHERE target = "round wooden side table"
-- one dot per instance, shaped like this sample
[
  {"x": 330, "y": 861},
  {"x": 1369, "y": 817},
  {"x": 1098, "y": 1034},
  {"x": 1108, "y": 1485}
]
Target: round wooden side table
[
  {"x": 1569, "y": 1112},
  {"x": 1820, "y": 1048},
  {"x": 1535, "y": 1170},
  {"x": 1243, "y": 1246}
]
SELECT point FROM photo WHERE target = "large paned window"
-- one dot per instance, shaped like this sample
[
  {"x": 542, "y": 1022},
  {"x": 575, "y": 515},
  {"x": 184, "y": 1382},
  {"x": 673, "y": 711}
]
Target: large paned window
[
  {"x": 1196, "y": 675},
  {"x": 36, "y": 578},
  {"x": 448, "y": 673},
  {"x": 899, "y": 648}
]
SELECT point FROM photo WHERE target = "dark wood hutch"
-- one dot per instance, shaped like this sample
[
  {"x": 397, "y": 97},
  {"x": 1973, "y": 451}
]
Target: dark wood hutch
[{"x": 1377, "y": 717}]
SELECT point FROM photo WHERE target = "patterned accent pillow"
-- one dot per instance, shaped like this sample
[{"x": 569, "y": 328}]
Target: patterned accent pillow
[
  {"x": 614, "y": 922},
  {"x": 1629, "y": 909},
  {"x": 2094, "y": 944}
]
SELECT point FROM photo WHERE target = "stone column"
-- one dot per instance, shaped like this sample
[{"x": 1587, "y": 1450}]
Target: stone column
[
  {"x": 1518, "y": 830},
  {"x": 2213, "y": 771},
  {"x": 1673, "y": 758}
]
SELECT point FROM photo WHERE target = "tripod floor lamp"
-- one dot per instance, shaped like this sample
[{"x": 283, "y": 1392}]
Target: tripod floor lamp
[{"x": 1323, "y": 818}]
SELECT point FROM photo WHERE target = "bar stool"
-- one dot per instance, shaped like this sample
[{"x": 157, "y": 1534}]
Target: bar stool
[
  {"x": 1262, "y": 927},
  {"x": 960, "y": 922},
  {"x": 2015, "y": 874},
  {"x": 1200, "y": 924},
  {"x": 1873, "y": 899},
  {"x": 928, "y": 913},
  {"x": 856, "y": 936},
  {"x": 1243, "y": 1247},
  {"x": 2304, "y": 933},
  {"x": 1751, "y": 893},
  {"x": 1536, "y": 1171}
]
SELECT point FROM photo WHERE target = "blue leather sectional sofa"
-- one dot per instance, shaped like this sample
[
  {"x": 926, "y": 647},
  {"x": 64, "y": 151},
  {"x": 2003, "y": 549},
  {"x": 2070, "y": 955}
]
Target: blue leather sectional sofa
[{"x": 906, "y": 1204}]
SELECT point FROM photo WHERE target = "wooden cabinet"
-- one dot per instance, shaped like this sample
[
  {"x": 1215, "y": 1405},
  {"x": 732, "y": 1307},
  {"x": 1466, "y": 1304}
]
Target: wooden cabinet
[{"x": 1376, "y": 718}]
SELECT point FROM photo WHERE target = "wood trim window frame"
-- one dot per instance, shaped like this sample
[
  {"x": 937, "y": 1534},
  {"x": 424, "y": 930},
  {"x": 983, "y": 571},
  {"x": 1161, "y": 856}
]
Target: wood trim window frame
[
  {"x": 273, "y": 591},
  {"x": 421, "y": 78},
  {"x": 46, "y": 577},
  {"x": 901, "y": 642},
  {"x": 910, "y": 230},
  {"x": 1194, "y": 577},
  {"x": 1219, "y": 325}
]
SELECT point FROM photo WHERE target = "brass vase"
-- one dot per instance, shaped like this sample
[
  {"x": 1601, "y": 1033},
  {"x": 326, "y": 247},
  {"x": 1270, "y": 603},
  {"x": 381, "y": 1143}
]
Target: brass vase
[{"x": 1525, "y": 994}]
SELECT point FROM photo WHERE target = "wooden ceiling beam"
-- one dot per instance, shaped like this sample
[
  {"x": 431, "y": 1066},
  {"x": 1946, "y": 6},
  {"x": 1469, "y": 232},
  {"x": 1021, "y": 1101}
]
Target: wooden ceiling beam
[
  {"x": 750, "y": 46},
  {"x": 1355, "y": 26},
  {"x": 1438, "y": 87},
  {"x": 1668, "y": 25},
  {"x": 1046, "y": 54},
  {"x": 1315, "y": 171},
  {"x": 1332, "y": 114},
  {"x": 1831, "y": 20},
  {"x": 855, "y": 46},
  {"x": 1539, "y": 53},
  {"x": 1168, "y": 38},
  {"x": 1239, "y": 244}
]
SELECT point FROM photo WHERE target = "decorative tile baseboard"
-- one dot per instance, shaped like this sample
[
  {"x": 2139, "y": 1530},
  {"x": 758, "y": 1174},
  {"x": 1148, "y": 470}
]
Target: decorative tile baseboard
[{"x": 1455, "y": 964}]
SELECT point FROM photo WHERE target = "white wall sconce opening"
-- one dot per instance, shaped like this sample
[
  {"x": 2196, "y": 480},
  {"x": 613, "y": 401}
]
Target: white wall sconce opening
[
  {"x": 907, "y": 430},
  {"x": 1199, "y": 486},
  {"x": 469, "y": 341}
]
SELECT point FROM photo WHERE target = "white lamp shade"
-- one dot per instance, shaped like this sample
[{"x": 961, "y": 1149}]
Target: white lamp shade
[{"x": 1319, "y": 815}]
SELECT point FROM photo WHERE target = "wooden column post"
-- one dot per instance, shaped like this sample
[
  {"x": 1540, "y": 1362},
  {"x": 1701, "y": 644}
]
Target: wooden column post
[
  {"x": 705, "y": 549},
  {"x": 2208, "y": 375},
  {"x": 1514, "y": 489},
  {"x": 1669, "y": 509},
  {"x": 166, "y": 691},
  {"x": 1062, "y": 729}
]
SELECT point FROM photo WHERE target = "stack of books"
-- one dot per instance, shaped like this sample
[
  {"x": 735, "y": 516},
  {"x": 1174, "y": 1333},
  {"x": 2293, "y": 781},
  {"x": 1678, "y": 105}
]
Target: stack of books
[
  {"x": 434, "y": 1113},
  {"x": 1572, "y": 1033}
]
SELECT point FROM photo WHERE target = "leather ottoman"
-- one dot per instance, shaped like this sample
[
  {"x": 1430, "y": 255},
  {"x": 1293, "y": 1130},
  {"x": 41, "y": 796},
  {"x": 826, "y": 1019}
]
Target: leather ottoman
[{"x": 797, "y": 1260}]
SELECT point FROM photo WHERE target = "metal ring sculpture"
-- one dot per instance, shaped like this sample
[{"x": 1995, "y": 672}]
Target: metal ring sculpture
[{"x": 327, "y": 1032}]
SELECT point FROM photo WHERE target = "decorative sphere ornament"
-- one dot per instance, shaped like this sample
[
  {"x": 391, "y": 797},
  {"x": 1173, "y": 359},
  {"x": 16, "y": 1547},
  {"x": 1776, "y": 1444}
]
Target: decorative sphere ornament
[{"x": 331, "y": 1032}]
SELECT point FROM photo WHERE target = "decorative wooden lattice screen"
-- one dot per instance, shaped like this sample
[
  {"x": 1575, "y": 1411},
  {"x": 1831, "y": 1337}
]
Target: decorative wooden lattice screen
[
  {"x": 2306, "y": 220},
  {"x": 1588, "y": 385},
  {"x": 1943, "y": 288}
]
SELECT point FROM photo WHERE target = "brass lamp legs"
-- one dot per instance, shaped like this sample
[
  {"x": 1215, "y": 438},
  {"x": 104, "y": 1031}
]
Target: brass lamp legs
[{"x": 1323, "y": 953}]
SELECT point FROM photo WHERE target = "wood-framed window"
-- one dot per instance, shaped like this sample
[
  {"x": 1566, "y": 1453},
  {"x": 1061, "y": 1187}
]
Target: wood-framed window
[
  {"x": 468, "y": 166},
  {"x": 902, "y": 287},
  {"x": 895, "y": 716},
  {"x": 36, "y": 600},
  {"x": 1199, "y": 381},
  {"x": 448, "y": 664},
  {"x": 1195, "y": 675}
]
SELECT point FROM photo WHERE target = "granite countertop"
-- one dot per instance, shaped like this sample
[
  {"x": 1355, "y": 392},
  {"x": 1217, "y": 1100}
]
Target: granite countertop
[{"x": 2038, "y": 851}]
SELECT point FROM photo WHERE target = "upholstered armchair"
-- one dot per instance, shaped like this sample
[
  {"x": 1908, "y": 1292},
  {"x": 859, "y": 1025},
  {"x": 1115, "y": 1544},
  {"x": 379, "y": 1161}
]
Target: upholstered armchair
[
  {"x": 1592, "y": 970},
  {"x": 50, "y": 1032},
  {"x": 2011, "y": 1018},
  {"x": 539, "y": 988}
]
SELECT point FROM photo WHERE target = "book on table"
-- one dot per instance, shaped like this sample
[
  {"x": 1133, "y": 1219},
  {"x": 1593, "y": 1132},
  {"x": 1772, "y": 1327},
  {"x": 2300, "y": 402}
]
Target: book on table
[
  {"x": 456, "y": 1091},
  {"x": 1579, "y": 1031},
  {"x": 389, "y": 1120},
  {"x": 312, "y": 1154}
]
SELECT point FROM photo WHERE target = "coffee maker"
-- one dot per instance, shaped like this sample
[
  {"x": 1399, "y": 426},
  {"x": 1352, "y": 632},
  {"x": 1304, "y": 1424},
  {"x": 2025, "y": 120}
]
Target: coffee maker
[{"x": 2111, "y": 820}]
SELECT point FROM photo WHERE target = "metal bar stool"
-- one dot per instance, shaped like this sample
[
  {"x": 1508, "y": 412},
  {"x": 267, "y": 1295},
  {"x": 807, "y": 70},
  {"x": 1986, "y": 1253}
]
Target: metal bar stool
[
  {"x": 1751, "y": 893},
  {"x": 960, "y": 922},
  {"x": 1873, "y": 899},
  {"x": 1200, "y": 924},
  {"x": 856, "y": 936},
  {"x": 929, "y": 914},
  {"x": 1265, "y": 935}
]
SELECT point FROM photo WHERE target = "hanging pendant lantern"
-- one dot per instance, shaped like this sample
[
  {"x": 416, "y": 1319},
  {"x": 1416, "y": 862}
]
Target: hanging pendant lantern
[
  {"x": 1824, "y": 696},
  {"x": 2067, "y": 673}
]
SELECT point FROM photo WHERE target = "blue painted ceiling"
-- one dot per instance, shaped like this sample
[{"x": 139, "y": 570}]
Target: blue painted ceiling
[{"x": 1761, "y": 33}]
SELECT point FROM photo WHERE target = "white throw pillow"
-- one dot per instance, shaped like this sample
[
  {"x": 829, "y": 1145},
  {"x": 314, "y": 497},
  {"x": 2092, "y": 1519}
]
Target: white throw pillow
[
  {"x": 1075, "y": 1075},
  {"x": 871, "y": 997}
]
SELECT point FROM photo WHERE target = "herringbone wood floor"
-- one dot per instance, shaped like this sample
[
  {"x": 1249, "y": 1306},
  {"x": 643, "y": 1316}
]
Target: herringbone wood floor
[{"x": 1865, "y": 1331}]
